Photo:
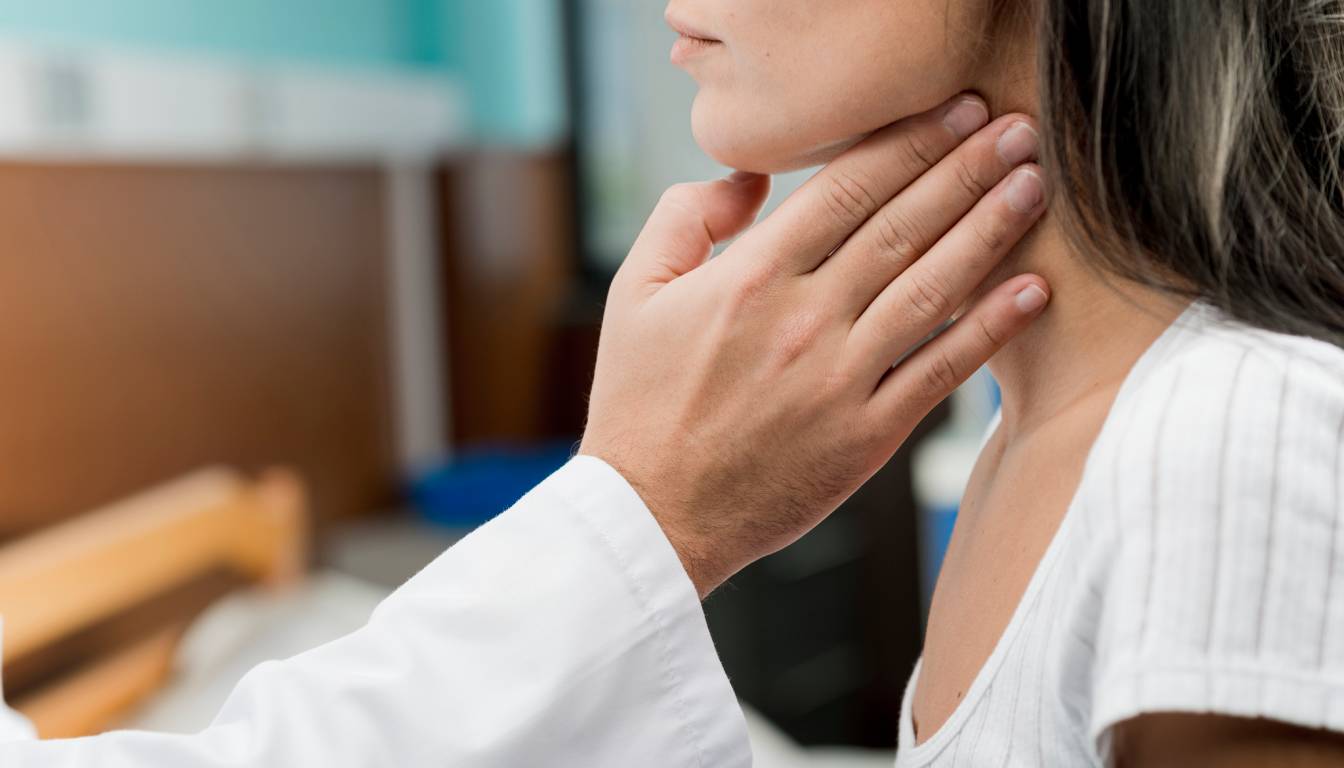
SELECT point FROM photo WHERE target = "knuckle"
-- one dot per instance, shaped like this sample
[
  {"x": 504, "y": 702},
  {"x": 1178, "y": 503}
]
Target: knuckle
[
  {"x": 991, "y": 234},
  {"x": 675, "y": 193},
  {"x": 941, "y": 375},
  {"x": 798, "y": 334},
  {"x": 750, "y": 285},
  {"x": 836, "y": 384},
  {"x": 929, "y": 297},
  {"x": 682, "y": 196},
  {"x": 898, "y": 235},
  {"x": 991, "y": 336},
  {"x": 920, "y": 153},
  {"x": 849, "y": 198},
  {"x": 969, "y": 180}
]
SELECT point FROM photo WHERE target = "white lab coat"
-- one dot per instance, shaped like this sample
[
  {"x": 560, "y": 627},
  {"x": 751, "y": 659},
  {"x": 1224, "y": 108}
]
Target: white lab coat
[{"x": 563, "y": 633}]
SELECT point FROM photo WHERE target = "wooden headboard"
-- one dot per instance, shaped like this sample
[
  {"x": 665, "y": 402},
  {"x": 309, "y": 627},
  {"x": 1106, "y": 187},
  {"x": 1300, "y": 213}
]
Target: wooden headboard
[
  {"x": 156, "y": 318},
  {"x": 93, "y": 608}
]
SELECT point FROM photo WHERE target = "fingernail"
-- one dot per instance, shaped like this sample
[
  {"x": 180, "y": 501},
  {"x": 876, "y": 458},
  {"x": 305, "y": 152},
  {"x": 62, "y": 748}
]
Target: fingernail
[
  {"x": 1025, "y": 191},
  {"x": 1030, "y": 300},
  {"x": 966, "y": 117},
  {"x": 1018, "y": 144}
]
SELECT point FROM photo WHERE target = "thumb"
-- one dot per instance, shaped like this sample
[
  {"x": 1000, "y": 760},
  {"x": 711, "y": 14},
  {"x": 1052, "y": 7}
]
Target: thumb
[{"x": 690, "y": 219}]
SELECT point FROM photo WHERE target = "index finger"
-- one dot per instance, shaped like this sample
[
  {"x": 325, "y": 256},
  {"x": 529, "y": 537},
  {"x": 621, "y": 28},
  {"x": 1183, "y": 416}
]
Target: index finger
[{"x": 833, "y": 204}]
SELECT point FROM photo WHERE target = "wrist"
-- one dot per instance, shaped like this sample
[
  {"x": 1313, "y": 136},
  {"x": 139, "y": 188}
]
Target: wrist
[
  {"x": 694, "y": 552},
  {"x": 699, "y": 568}
]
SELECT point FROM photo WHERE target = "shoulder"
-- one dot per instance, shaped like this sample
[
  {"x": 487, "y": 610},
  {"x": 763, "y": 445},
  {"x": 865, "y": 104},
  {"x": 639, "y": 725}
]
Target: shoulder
[
  {"x": 1224, "y": 586},
  {"x": 1229, "y": 416},
  {"x": 1210, "y": 353},
  {"x": 1230, "y": 442}
]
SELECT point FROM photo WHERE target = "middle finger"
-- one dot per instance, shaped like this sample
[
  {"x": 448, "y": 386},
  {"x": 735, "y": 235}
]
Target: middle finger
[
  {"x": 912, "y": 222},
  {"x": 832, "y": 205}
]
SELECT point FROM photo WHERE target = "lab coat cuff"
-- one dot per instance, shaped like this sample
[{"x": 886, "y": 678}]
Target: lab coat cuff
[{"x": 612, "y": 511}]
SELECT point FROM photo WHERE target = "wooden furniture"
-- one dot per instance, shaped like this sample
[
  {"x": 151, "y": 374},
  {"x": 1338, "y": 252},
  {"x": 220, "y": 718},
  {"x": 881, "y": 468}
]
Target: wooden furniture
[
  {"x": 508, "y": 271},
  {"x": 159, "y": 317},
  {"x": 93, "y": 608}
]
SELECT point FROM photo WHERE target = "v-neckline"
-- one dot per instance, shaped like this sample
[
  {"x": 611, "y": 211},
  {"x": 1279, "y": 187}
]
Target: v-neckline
[{"x": 984, "y": 678}]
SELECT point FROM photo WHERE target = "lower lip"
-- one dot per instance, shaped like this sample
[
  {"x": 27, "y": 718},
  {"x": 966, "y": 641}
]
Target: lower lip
[{"x": 687, "y": 48}]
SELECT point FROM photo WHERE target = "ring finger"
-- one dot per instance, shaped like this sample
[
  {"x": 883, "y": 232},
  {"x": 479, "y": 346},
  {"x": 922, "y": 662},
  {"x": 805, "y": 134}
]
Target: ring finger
[{"x": 925, "y": 296}]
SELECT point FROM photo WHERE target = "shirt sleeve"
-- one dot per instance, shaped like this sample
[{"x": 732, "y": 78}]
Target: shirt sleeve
[
  {"x": 563, "y": 633},
  {"x": 1225, "y": 594}
]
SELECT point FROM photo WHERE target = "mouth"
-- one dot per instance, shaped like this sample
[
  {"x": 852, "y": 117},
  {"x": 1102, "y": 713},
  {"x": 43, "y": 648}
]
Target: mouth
[{"x": 692, "y": 40}]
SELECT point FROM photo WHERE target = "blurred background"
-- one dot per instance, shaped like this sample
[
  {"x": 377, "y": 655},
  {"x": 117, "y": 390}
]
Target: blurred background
[{"x": 364, "y": 242}]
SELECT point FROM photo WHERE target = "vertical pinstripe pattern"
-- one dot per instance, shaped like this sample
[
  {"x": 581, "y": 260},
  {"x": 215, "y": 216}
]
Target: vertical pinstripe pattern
[
  {"x": 1155, "y": 479},
  {"x": 1220, "y": 490},
  {"x": 1043, "y": 664},
  {"x": 1070, "y": 663},
  {"x": 1032, "y": 631},
  {"x": 1020, "y": 663},
  {"x": 984, "y": 720},
  {"x": 1337, "y": 509},
  {"x": 1273, "y": 504}
]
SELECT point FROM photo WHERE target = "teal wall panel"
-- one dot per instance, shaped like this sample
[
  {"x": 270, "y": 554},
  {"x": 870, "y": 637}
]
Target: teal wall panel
[
  {"x": 509, "y": 53},
  {"x": 345, "y": 31}
]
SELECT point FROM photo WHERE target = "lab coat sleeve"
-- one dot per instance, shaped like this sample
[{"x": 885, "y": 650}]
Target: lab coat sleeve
[{"x": 563, "y": 633}]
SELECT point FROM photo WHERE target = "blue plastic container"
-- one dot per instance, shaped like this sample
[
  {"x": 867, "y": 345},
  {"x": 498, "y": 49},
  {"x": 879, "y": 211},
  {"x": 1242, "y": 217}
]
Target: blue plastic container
[{"x": 479, "y": 484}]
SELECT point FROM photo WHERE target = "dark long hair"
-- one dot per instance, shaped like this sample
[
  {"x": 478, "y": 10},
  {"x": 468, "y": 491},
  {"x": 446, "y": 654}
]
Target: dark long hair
[{"x": 1200, "y": 147}]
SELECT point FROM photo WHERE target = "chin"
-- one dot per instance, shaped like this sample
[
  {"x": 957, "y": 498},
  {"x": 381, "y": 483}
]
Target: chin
[{"x": 749, "y": 140}]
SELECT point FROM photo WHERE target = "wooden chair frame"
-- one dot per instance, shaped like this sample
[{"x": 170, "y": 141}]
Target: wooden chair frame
[{"x": 63, "y": 580}]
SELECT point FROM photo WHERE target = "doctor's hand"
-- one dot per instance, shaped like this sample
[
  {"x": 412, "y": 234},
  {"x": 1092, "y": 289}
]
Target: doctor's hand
[{"x": 744, "y": 397}]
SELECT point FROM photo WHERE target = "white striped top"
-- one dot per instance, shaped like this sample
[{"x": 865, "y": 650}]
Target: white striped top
[{"x": 1199, "y": 567}]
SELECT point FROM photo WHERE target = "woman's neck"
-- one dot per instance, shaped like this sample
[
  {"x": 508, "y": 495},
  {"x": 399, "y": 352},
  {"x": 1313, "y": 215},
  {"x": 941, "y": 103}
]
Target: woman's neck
[{"x": 1081, "y": 349}]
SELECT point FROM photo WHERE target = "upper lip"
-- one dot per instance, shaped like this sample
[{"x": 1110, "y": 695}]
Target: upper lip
[{"x": 685, "y": 28}]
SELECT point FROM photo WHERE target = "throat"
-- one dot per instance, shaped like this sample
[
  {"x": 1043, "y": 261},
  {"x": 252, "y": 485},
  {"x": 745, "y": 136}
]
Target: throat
[{"x": 1084, "y": 345}]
